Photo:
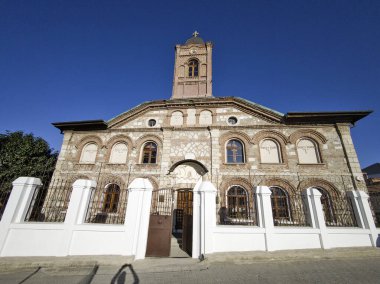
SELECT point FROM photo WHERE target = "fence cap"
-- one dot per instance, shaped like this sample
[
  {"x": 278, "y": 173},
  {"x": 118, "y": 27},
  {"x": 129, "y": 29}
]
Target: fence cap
[
  {"x": 141, "y": 183},
  {"x": 27, "y": 181},
  {"x": 84, "y": 183}
]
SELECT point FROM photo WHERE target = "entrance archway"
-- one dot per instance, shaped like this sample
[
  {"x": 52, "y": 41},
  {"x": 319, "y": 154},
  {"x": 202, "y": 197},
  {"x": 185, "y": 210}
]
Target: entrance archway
[{"x": 177, "y": 218}]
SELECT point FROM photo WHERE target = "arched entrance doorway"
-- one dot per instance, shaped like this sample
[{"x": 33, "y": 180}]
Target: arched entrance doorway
[{"x": 172, "y": 210}]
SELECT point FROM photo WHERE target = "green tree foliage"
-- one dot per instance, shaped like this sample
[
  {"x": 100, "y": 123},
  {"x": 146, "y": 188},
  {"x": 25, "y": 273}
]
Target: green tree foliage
[{"x": 23, "y": 154}]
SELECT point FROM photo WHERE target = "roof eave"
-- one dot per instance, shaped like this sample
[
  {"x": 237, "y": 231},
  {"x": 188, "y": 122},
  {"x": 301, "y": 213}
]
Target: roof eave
[
  {"x": 325, "y": 117},
  {"x": 83, "y": 125}
]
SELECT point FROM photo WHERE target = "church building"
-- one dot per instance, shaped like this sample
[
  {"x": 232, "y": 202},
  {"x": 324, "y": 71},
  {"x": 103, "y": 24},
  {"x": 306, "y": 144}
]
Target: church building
[{"x": 258, "y": 164}]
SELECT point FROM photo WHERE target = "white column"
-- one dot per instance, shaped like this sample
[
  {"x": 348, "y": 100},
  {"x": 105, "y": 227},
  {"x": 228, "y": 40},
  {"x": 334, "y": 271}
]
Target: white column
[
  {"x": 316, "y": 210},
  {"x": 265, "y": 216},
  {"x": 137, "y": 217},
  {"x": 18, "y": 204},
  {"x": 361, "y": 203},
  {"x": 196, "y": 248},
  {"x": 76, "y": 211},
  {"x": 206, "y": 192}
]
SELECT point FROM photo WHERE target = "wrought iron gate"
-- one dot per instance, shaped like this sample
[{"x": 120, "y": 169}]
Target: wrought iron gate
[
  {"x": 160, "y": 224},
  {"x": 187, "y": 222}
]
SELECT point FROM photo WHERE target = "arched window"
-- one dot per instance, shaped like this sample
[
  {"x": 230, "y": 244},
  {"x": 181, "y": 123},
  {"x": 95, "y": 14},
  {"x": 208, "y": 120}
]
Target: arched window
[
  {"x": 176, "y": 119},
  {"x": 327, "y": 206},
  {"x": 193, "y": 68},
  {"x": 235, "y": 151},
  {"x": 88, "y": 155},
  {"x": 270, "y": 152},
  {"x": 119, "y": 153},
  {"x": 205, "y": 117},
  {"x": 308, "y": 152},
  {"x": 237, "y": 203},
  {"x": 149, "y": 154},
  {"x": 280, "y": 204},
  {"x": 111, "y": 198}
]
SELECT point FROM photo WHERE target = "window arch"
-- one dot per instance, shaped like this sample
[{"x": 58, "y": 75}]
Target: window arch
[
  {"x": 193, "y": 68},
  {"x": 237, "y": 203},
  {"x": 176, "y": 118},
  {"x": 308, "y": 152},
  {"x": 280, "y": 204},
  {"x": 205, "y": 117},
  {"x": 111, "y": 198},
  {"x": 270, "y": 151},
  {"x": 89, "y": 152},
  {"x": 119, "y": 153},
  {"x": 149, "y": 153},
  {"x": 235, "y": 151},
  {"x": 327, "y": 206}
]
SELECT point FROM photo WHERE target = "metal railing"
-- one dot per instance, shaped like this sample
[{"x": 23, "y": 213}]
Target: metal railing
[
  {"x": 293, "y": 212},
  {"x": 50, "y": 202},
  {"x": 108, "y": 203},
  {"x": 340, "y": 213},
  {"x": 239, "y": 215}
]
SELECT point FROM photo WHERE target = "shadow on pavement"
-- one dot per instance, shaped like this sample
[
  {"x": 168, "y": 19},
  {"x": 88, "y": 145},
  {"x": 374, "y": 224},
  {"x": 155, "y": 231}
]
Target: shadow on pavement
[
  {"x": 30, "y": 275},
  {"x": 120, "y": 275},
  {"x": 88, "y": 278}
]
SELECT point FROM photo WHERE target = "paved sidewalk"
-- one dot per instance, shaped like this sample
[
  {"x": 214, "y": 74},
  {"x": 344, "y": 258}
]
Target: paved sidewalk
[
  {"x": 181, "y": 264},
  {"x": 351, "y": 265}
]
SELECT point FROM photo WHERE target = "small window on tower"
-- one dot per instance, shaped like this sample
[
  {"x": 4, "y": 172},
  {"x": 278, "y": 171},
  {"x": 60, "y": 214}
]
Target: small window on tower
[{"x": 193, "y": 68}]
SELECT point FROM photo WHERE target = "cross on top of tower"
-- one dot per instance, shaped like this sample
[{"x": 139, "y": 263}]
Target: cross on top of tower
[{"x": 195, "y": 34}]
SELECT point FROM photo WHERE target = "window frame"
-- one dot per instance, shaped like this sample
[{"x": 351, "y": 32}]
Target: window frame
[
  {"x": 236, "y": 205},
  {"x": 279, "y": 151},
  {"x": 316, "y": 151},
  {"x": 280, "y": 204},
  {"x": 243, "y": 155},
  {"x": 111, "y": 198},
  {"x": 82, "y": 153},
  {"x": 150, "y": 153},
  {"x": 193, "y": 68}
]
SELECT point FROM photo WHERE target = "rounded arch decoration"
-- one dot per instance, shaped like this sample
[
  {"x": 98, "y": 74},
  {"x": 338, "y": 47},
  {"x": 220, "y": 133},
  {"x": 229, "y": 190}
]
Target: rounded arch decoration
[
  {"x": 281, "y": 183},
  {"x": 307, "y": 133},
  {"x": 320, "y": 183},
  {"x": 265, "y": 134},
  {"x": 87, "y": 140}
]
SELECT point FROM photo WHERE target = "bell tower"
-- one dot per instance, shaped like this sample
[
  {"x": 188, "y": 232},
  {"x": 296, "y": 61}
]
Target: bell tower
[{"x": 193, "y": 69}]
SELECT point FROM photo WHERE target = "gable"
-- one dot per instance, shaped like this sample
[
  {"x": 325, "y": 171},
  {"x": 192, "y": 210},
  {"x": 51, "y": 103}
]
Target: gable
[{"x": 194, "y": 113}]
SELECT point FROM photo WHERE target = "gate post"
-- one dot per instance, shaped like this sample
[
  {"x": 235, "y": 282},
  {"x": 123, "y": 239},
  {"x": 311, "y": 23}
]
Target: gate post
[
  {"x": 18, "y": 204},
  {"x": 137, "y": 216},
  {"x": 316, "y": 210},
  {"x": 363, "y": 211},
  {"x": 264, "y": 208},
  {"x": 204, "y": 218}
]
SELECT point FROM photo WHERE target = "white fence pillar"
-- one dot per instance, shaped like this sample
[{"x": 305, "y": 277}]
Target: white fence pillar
[
  {"x": 137, "y": 217},
  {"x": 317, "y": 215},
  {"x": 265, "y": 215},
  {"x": 76, "y": 211},
  {"x": 363, "y": 213},
  {"x": 204, "y": 219},
  {"x": 18, "y": 204}
]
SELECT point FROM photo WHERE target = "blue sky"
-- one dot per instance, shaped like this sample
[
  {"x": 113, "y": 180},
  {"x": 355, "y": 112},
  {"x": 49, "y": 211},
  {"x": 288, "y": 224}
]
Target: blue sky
[{"x": 79, "y": 60}]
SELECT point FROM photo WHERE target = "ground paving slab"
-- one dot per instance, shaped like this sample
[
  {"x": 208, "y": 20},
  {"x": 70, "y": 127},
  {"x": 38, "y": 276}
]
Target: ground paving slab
[{"x": 351, "y": 265}]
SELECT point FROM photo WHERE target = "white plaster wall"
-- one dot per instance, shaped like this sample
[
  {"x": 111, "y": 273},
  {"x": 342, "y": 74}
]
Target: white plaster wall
[
  {"x": 233, "y": 238},
  {"x": 33, "y": 242},
  {"x": 294, "y": 238},
  {"x": 349, "y": 237},
  {"x": 97, "y": 243}
]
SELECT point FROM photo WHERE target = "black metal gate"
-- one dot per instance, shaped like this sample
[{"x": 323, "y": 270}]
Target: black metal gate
[
  {"x": 187, "y": 222},
  {"x": 160, "y": 223}
]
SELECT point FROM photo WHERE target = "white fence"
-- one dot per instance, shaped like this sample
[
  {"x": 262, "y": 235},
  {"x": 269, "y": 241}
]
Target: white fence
[{"x": 74, "y": 237}]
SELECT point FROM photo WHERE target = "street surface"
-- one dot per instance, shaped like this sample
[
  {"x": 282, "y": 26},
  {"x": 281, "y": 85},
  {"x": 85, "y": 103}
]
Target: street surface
[{"x": 341, "y": 270}]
